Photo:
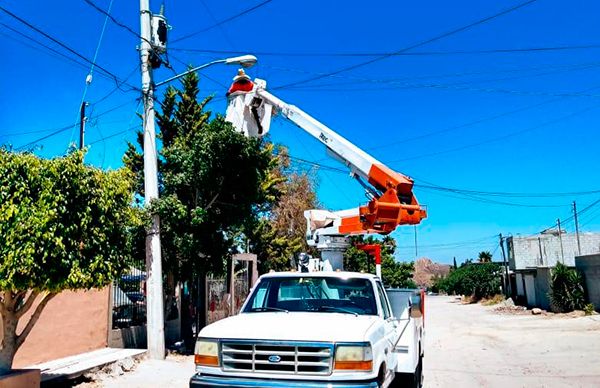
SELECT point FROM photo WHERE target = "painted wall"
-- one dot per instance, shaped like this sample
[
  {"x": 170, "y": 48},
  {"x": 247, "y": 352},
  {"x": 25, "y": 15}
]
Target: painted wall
[
  {"x": 71, "y": 323},
  {"x": 590, "y": 267},
  {"x": 542, "y": 288}
]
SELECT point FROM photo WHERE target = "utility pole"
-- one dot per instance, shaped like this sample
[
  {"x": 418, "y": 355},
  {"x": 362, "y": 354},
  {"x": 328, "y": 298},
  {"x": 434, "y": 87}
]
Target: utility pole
[
  {"x": 506, "y": 278},
  {"x": 154, "y": 284},
  {"x": 82, "y": 120},
  {"x": 416, "y": 246},
  {"x": 541, "y": 254},
  {"x": 562, "y": 253},
  {"x": 576, "y": 227}
]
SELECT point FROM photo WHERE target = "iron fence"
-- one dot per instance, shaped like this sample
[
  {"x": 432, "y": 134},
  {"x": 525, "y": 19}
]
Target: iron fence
[{"x": 129, "y": 298}]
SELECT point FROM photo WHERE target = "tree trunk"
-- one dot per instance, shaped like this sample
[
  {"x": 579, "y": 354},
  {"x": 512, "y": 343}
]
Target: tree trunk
[{"x": 9, "y": 341}]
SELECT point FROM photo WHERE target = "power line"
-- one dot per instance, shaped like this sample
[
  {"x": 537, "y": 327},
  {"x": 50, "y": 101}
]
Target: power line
[
  {"x": 65, "y": 128},
  {"x": 398, "y": 81},
  {"x": 377, "y": 54},
  {"x": 43, "y": 45},
  {"x": 506, "y": 136},
  {"x": 113, "y": 135},
  {"x": 63, "y": 45},
  {"x": 115, "y": 21},
  {"x": 227, "y": 20},
  {"x": 422, "y": 43},
  {"x": 88, "y": 79}
]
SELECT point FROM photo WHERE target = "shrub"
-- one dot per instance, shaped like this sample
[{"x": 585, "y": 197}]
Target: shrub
[
  {"x": 567, "y": 292},
  {"x": 477, "y": 280},
  {"x": 589, "y": 309}
]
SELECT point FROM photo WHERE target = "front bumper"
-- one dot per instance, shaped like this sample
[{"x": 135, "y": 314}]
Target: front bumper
[{"x": 237, "y": 382}]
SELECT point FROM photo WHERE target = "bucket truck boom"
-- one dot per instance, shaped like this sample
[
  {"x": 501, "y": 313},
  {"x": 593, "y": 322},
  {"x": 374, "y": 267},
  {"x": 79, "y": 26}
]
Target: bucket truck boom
[{"x": 391, "y": 199}]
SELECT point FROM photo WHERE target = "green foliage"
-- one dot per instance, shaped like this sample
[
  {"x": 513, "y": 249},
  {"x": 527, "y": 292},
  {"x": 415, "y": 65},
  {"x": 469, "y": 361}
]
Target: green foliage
[
  {"x": 395, "y": 274},
  {"x": 215, "y": 184},
  {"x": 485, "y": 257},
  {"x": 477, "y": 280},
  {"x": 63, "y": 225},
  {"x": 566, "y": 285},
  {"x": 279, "y": 234},
  {"x": 589, "y": 309}
]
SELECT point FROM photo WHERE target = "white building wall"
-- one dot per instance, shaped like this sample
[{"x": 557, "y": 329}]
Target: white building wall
[{"x": 524, "y": 252}]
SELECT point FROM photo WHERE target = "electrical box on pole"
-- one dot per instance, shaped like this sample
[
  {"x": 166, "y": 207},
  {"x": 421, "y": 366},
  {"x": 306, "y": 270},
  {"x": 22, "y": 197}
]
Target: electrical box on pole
[{"x": 159, "y": 33}]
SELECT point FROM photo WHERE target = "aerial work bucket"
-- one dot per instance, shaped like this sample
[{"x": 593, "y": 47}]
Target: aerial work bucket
[{"x": 248, "y": 113}]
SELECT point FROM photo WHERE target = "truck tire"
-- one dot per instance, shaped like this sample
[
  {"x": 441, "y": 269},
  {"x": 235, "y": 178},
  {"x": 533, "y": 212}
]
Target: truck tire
[{"x": 410, "y": 380}]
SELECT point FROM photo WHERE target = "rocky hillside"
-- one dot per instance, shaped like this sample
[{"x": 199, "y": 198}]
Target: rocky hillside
[{"x": 425, "y": 270}]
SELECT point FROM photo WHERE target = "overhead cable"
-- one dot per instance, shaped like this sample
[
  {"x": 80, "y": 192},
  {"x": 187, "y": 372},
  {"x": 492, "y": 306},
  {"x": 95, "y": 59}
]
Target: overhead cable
[
  {"x": 227, "y": 20},
  {"x": 413, "y": 46}
]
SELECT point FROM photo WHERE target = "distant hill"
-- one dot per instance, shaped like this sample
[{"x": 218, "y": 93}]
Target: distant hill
[{"x": 425, "y": 270}]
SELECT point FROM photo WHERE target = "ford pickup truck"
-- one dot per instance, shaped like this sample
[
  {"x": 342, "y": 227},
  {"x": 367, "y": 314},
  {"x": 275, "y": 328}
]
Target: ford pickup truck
[{"x": 317, "y": 329}]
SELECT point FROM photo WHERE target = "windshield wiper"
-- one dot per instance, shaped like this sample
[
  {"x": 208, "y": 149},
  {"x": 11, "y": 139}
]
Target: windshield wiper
[
  {"x": 339, "y": 309},
  {"x": 267, "y": 308}
]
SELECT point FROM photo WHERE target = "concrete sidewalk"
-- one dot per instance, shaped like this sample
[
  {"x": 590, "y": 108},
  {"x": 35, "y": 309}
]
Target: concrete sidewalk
[{"x": 74, "y": 366}]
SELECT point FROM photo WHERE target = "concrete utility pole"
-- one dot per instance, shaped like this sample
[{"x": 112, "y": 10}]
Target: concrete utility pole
[
  {"x": 82, "y": 120},
  {"x": 504, "y": 262},
  {"x": 416, "y": 245},
  {"x": 576, "y": 227},
  {"x": 154, "y": 285},
  {"x": 562, "y": 253}
]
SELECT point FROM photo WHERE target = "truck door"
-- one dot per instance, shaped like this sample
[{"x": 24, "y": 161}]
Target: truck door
[{"x": 391, "y": 331}]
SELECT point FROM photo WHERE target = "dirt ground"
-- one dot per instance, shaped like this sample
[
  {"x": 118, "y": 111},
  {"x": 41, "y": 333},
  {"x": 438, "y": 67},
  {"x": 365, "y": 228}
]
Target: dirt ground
[
  {"x": 474, "y": 346},
  {"x": 466, "y": 346}
]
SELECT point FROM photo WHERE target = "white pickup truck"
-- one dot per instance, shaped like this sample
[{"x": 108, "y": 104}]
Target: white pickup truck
[{"x": 317, "y": 329}]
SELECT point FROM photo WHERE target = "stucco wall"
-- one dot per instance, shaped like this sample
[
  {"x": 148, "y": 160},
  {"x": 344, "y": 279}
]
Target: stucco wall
[
  {"x": 542, "y": 287},
  {"x": 71, "y": 323},
  {"x": 590, "y": 267}
]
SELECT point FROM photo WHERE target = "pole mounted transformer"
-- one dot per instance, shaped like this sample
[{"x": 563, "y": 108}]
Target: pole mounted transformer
[{"x": 160, "y": 27}]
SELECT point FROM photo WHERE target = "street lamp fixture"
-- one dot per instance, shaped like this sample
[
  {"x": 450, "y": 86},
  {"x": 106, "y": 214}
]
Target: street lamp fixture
[{"x": 243, "y": 60}]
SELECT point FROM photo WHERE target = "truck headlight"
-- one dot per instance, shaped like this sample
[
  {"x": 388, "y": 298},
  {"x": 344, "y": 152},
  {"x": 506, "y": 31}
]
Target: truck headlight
[
  {"x": 206, "y": 353},
  {"x": 353, "y": 358}
]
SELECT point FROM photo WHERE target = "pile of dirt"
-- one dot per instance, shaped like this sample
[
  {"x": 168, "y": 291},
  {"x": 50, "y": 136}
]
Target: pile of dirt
[{"x": 426, "y": 270}]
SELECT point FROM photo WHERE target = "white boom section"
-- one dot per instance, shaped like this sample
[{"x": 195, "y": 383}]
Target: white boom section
[{"x": 239, "y": 112}]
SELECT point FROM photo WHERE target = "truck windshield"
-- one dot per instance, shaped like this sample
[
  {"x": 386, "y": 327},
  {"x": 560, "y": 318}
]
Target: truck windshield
[{"x": 313, "y": 294}]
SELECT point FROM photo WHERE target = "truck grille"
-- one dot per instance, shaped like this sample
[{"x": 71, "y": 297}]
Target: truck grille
[{"x": 277, "y": 357}]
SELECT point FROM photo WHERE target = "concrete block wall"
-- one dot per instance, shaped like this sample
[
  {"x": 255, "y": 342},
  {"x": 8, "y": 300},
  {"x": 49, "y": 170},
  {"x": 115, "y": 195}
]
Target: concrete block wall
[
  {"x": 590, "y": 267},
  {"x": 524, "y": 252}
]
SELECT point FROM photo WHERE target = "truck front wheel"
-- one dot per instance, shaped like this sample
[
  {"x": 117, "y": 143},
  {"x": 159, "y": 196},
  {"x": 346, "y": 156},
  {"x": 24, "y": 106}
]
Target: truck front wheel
[{"x": 410, "y": 380}]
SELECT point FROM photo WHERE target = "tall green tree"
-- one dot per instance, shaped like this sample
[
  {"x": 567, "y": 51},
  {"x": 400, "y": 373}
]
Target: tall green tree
[
  {"x": 280, "y": 233},
  {"x": 395, "y": 274},
  {"x": 63, "y": 226},
  {"x": 213, "y": 182},
  {"x": 485, "y": 257}
]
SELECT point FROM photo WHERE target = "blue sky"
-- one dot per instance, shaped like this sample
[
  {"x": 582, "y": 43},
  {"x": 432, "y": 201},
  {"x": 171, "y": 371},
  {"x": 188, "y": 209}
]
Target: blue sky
[{"x": 448, "y": 114}]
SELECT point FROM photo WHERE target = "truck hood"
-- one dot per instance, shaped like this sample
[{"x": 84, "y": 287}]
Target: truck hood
[{"x": 293, "y": 326}]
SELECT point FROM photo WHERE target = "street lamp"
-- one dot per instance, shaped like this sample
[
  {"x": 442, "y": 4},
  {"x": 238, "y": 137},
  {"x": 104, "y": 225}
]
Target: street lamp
[{"x": 242, "y": 60}]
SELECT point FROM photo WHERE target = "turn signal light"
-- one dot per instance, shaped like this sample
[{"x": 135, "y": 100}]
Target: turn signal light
[
  {"x": 206, "y": 360},
  {"x": 354, "y": 365}
]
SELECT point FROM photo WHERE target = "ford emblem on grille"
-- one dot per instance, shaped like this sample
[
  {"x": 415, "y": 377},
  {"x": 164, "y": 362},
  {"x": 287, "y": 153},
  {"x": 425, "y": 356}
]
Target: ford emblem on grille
[{"x": 274, "y": 358}]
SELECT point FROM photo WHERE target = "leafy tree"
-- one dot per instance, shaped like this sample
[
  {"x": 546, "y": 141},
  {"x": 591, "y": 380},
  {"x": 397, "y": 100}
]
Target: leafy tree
[
  {"x": 567, "y": 292},
  {"x": 63, "y": 226},
  {"x": 479, "y": 280},
  {"x": 281, "y": 232},
  {"x": 485, "y": 257},
  {"x": 454, "y": 263},
  {"x": 395, "y": 274},
  {"x": 213, "y": 182}
]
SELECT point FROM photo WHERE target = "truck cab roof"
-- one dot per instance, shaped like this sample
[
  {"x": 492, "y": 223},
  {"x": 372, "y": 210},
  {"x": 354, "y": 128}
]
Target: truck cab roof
[{"x": 333, "y": 274}]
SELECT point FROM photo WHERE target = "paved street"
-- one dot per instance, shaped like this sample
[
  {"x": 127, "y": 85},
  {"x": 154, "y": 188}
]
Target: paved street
[
  {"x": 473, "y": 346},
  {"x": 467, "y": 346}
]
